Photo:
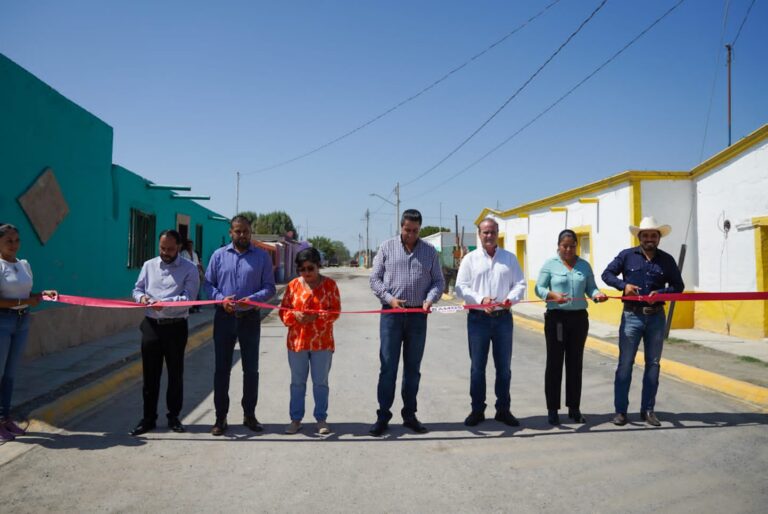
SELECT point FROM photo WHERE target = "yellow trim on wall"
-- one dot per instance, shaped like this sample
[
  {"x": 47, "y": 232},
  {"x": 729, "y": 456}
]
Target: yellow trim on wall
[
  {"x": 585, "y": 230},
  {"x": 521, "y": 247},
  {"x": 589, "y": 200},
  {"x": 635, "y": 206},
  {"x": 594, "y": 187},
  {"x": 732, "y": 151},
  {"x": 500, "y": 242},
  {"x": 558, "y": 209},
  {"x": 761, "y": 264},
  {"x": 729, "y": 153}
]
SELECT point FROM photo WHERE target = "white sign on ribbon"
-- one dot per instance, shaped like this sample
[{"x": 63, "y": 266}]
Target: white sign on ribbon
[{"x": 447, "y": 309}]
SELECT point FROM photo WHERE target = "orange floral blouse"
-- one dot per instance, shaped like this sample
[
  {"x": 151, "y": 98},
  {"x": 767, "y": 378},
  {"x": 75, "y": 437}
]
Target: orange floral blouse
[{"x": 317, "y": 335}]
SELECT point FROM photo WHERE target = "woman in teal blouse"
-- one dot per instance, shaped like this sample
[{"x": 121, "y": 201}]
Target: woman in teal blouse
[{"x": 564, "y": 282}]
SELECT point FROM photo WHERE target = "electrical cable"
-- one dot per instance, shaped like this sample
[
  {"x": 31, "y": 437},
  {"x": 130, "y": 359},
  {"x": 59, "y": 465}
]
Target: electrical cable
[
  {"x": 738, "y": 33},
  {"x": 407, "y": 100},
  {"x": 508, "y": 100},
  {"x": 556, "y": 102}
]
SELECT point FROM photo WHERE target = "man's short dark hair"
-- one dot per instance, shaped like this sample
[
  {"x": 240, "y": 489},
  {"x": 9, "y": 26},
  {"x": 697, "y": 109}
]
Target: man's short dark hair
[
  {"x": 410, "y": 215},
  {"x": 239, "y": 219},
  {"x": 171, "y": 233}
]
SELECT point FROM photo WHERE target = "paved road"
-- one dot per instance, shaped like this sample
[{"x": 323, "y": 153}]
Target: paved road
[{"x": 710, "y": 455}]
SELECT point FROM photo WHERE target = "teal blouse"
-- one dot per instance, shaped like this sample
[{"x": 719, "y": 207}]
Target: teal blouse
[{"x": 555, "y": 276}]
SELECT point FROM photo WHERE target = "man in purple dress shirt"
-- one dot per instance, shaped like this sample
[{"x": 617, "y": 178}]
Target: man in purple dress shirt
[{"x": 238, "y": 272}]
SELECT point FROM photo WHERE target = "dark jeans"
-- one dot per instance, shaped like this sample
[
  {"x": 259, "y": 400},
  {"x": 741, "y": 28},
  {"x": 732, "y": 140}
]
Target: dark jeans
[
  {"x": 482, "y": 331},
  {"x": 14, "y": 329},
  {"x": 163, "y": 342},
  {"x": 409, "y": 332},
  {"x": 227, "y": 329},
  {"x": 566, "y": 333},
  {"x": 649, "y": 328}
]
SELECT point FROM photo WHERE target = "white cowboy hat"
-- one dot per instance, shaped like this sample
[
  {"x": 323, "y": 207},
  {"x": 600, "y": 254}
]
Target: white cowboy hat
[{"x": 650, "y": 223}]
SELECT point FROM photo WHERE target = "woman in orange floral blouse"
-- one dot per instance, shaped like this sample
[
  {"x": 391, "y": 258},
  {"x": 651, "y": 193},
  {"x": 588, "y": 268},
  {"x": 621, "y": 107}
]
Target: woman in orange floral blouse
[{"x": 310, "y": 337}]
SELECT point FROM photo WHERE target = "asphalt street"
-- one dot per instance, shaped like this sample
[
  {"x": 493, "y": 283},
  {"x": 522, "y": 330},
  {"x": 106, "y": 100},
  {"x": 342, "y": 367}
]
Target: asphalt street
[{"x": 709, "y": 455}]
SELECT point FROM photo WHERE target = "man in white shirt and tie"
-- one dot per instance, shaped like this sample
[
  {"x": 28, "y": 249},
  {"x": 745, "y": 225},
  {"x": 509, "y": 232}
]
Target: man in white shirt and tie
[{"x": 490, "y": 276}]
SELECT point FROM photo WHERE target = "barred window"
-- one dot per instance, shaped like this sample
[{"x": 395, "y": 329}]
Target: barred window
[{"x": 141, "y": 238}]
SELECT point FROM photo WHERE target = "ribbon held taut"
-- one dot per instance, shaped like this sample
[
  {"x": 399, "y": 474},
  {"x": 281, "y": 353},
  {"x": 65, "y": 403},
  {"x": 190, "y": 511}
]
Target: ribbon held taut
[{"x": 85, "y": 301}]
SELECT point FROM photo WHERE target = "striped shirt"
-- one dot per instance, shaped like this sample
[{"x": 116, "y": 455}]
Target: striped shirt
[{"x": 411, "y": 276}]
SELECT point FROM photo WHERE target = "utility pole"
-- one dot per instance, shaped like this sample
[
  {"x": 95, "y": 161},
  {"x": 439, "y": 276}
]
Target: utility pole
[
  {"x": 367, "y": 261},
  {"x": 237, "y": 195},
  {"x": 729, "y": 48},
  {"x": 397, "y": 207}
]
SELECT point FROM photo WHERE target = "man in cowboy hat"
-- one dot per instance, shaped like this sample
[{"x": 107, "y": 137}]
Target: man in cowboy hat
[{"x": 645, "y": 270}]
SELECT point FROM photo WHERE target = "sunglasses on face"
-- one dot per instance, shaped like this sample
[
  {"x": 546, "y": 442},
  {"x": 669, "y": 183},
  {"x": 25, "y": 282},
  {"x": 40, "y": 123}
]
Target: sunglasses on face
[{"x": 307, "y": 269}]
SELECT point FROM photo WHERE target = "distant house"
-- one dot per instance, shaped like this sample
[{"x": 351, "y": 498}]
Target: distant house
[
  {"x": 86, "y": 224},
  {"x": 719, "y": 209}
]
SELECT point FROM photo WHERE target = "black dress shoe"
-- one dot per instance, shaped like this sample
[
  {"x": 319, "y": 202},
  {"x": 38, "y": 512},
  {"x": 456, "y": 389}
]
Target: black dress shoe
[
  {"x": 474, "y": 418},
  {"x": 378, "y": 428},
  {"x": 415, "y": 425},
  {"x": 620, "y": 419},
  {"x": 219, "y": 427},
  {"x": 553, "y": 418},
  {"x": 252, "y": 423},
  {"x": 576, "y": 416},
  {"x": 507, "y": 418},
  {"x": 650, "y": 417},
  {"x": 143, "y": 427},
  {"x": 175, "y": 425}
]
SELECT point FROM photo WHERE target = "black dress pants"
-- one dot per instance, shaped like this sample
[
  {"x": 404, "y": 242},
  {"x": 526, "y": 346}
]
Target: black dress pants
[
  {"x": 566, "y": 333},
  {"x": 163, "y": 342}
]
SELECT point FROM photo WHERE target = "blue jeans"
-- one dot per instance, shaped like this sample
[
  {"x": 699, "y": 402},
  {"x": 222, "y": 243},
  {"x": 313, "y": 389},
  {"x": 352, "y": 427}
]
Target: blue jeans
[
  {"x": 634, "y": 327},
  {"x": 14, "y": 330},
  {"x": 482, "y": 330},
  {"x": 227, "y": 329},
  {"x": 409, "y": 332},
  {"x": 301, "y": 363}
]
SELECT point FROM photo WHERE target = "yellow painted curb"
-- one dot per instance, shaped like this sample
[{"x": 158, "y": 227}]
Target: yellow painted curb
[
  {"x": 738, "y": 389},
  {"x": 93, "y": 394}
]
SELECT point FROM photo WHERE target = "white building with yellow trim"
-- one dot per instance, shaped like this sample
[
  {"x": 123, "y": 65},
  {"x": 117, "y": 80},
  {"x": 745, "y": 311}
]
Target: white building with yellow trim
[{"x": 719, "y": 209}]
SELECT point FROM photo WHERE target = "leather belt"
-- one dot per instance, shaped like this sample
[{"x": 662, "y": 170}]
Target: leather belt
[
  {"x": 18, "y": 312},
  {"x": 644, "y": 310},
  {"x": 167, "y": 321}
]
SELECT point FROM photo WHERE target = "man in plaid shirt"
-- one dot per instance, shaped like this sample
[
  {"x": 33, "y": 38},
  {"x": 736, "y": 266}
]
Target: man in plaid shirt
[{"x": 406, "y": 274}]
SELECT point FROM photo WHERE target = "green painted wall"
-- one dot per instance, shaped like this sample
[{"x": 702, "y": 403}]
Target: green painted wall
[{"x": 88, "y": 253}]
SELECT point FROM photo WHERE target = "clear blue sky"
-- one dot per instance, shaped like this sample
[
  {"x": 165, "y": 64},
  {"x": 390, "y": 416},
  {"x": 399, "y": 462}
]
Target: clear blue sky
[{"x": 196, "y": 91}]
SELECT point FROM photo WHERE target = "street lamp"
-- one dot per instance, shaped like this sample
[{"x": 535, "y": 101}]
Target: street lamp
[{"x": 395, "y": 205}]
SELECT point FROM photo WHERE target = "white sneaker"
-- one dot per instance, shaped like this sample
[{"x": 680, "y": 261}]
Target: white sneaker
[
  {"x": 323, "y": 428},
  {"x": 293, "y": 428}
]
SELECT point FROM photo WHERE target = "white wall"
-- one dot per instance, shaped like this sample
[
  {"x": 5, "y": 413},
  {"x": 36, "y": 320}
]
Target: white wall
[
  {"x": 611, "y": 232},
  {"x": 737, "y": 191},
  {"x": 672, "y": 203}
]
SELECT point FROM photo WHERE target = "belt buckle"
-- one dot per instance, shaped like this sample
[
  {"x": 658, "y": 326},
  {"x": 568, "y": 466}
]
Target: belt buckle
[{"x": 650, "y": 310}]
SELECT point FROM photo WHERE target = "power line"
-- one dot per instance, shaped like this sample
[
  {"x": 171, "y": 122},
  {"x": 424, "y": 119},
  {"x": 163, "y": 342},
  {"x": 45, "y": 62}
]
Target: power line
[
  {"x": 714, "y": 79},
  {"x": 409, "y": 99},
  {"x": 508, "y": 100},
  {"x": 556, "y": 102},
  {"x": 749, "y": 9}
]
